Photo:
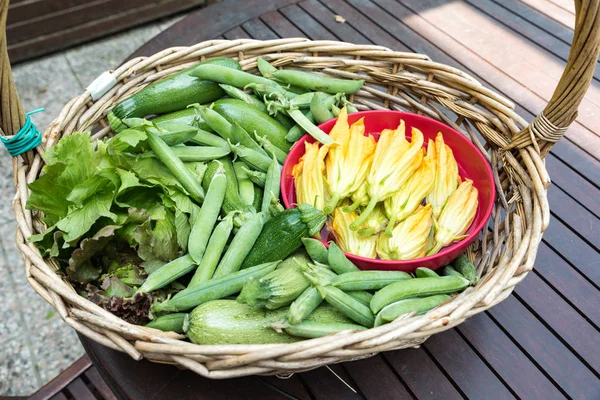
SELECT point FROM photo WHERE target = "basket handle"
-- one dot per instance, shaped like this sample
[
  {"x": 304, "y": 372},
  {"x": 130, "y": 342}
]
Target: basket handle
[
  {"x": 12, "y": 116},
  {"x": 550, "y": 126}
]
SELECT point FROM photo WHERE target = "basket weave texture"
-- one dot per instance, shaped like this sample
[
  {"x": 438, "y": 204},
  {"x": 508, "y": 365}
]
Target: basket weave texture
[{"x": 504, "y": 252}]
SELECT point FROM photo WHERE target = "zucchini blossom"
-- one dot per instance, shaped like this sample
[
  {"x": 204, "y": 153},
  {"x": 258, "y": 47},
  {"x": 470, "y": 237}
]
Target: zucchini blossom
[
  {"x": 409, "y": 238},
  {"x": 446, "y": 173},
  {"x": 349, "y": 240},
  {"x": 308, "y": 176}
]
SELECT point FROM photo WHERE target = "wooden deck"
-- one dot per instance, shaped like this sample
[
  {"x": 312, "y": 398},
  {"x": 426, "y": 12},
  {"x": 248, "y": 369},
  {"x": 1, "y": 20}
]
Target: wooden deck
[{"x": 543, "y": 342}]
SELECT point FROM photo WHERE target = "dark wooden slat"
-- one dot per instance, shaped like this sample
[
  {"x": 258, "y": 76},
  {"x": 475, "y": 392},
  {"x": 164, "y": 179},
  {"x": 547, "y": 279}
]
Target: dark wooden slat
[
  {"x": 292, "y": 386},
  {"x": 569, "y": 181},
  {"x": 326, "y": 18},
  {"x": 570, "y": 283},
  {"x": 561, "y": 318},
  {"x": 306, "y": 23},
  {"x": 323, "y": 384},
  {"x": 545, "y": 349},
  {"x": 214, "y": 20},
  {"x": 421, "y": 375},
  {"x": 507, "y": 360},
  {"x": 376, "y": 380},
  {"x": 96, "y": 380},
  {"x": 578, "y": 160},
  {"x": 21, "y": 11},
  {"x": 574, "y": 215},
  {"x": 67, "y": 376},
  {"x": 59, "y": 396},
  {"x": 526, "y": 29},
  {"x": 280, "y": 25},
  {"x": 92, "y": 30},
  {"x": 236, "y": 33},
  {"x": 539, "y": 71},
  {"x": 465, "y": 368},
  {"x": 574, "y": 249},
  {"x": 553, "y": 11},
  {"x": 79, "y": 390},
  {"x": 258, "y": 30},
  {"x": 578, "y": 134}
]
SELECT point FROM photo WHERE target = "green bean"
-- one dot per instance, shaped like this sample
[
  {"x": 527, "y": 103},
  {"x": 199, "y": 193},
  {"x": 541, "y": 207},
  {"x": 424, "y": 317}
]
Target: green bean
[
  {"x": 198, "y": 153},
  {"x": 242, "y": 137},
  {"x": 170, "y": 323},
  {"x": 419, "y": 287},
  {"x": 230, "y": 76},
  {"x": 423, "y": 272},
  {"x": 337, "y": 260},
  {"x": 265, "y": 68},
  {"x": 270, "y": 148},
  {"x": 316, "y": 250},
  {"x": 305, "y": 304},
  {"x": 320, "y": 107},
  {"x": 259, "y": 178},
  {"x": 167, "y": 274},
  {"x": 251, "y": 157},
  {"x": 240, "y": 246},
  {"x": 362, "y": 296},
  {"x": 315, "y": 82},
  {"x": 448, "y": 270},
  {"x": 245, "y": 185},
  {"x": 463, "y": 265},
  {"x": 245, "y": 97},
  {"x": 314, "y": 329},
  {"x": 258, "y": 196},
  {"x": 368, "y": 280},
  {"x": 347, "y": 305},
  {"x": 214, "y": 249},
  {"x": 205, "y": 138},
  {"x": 179, "y": 137},
  {"x": 297, "y": 132},
  {"x": 309, "y": 127},
  {"x": 213, "y": 289},
  {"x": 421, "y": 305},
  {"x": 175, "y": 165},
  {"x": 272, "y": 186},
  {"x": 207, "y": 216}
]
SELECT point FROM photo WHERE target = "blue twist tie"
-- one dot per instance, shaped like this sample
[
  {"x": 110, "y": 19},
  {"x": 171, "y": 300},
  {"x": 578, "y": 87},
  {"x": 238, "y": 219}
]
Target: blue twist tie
[{"x": 28, "y": 137}]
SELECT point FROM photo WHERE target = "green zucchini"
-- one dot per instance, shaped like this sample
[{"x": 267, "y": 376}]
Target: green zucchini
[
  {"x": 283, "y": 233},
  {"x": 253, "y": 120},
  {"x": 232, "y": 201},
  {"x": 170, "y": 94}
]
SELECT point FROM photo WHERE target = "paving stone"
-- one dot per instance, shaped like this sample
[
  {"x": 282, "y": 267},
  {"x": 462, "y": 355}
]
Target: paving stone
[
  {"x": 17, "y": 374},
  {"x": 10, "y": 320}
]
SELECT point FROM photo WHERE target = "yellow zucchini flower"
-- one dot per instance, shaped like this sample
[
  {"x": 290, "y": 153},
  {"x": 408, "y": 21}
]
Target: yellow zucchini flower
[
  {"x": 308, "y": 176},
  {"x": 376, "y": 222},
  {"x": 404, "y": 202},
  {"x": 456, "y": 216},
  {"x": 349, "y": 240},
  {"x": 359, "y": 198},
  {"x": 446, "y": 173},
  {"x": 394, "y": 161},
  {"x": 348, "y": 160},
  {"x": 409, "y": 238}
]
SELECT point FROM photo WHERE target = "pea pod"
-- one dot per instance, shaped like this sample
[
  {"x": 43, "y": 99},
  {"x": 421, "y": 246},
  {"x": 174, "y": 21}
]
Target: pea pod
[
  {"x": 175, "y": 165},
  {"x": 361, "y": 295},
  {"x": 337, "y": 260},
  {"x": 240, "y": 246},
  {"x": 309, "y": 127},
  {"x": 335, "y": 110},
  {"x": 207, "y": 216},
  {"x": 229, "y": 76},
  {"x": 270, "y": 148},
  {"x": 421, "y": 305},
  {"x": 196, "y": 153},
  {"x": 212, "y": 290},
  {"x": 417, "y": 288},
  {"x": 351, "y": 108},
  {"x": 368, "y": 280},
  {"x": 347, "y": 305},
  {"x": 187, "y": 116},
  {"x": 205, "y": 138},
  {"x": 251, "y": 157},
  {"x": 265, "y": 68},
  {"x": 315, "y": 249},
  {"x": 423, "y": 272},
  {"x": 296, "y": 132},
  {"x": 245, "y": 185},
  {"x": 305, "y": 304},
  {"x": 214, "y": 249},
  {"x": 448, "y": 270},
  {"x": 258, "y": 196},
  {"x": 314, "y": 329},
  {"x": 463, "y": 265},
  {"x": 259, "y": 178},
  {"x": 320, "y": 107},
  {"x": 272, "y": 186},
  {"x": 167, "y": 274},
  {"x": 170, "y": 323},
  {"x": 173, "y": 138},
  {"x": 314, "y": 82},
  {"x": 245, "y": 97}
]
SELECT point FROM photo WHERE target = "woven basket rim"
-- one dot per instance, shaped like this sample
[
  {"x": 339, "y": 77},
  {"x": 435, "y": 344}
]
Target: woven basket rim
[{"x": 505, "y": 255}]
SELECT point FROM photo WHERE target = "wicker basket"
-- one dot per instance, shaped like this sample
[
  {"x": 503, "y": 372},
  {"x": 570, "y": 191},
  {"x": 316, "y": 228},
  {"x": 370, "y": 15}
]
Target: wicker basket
[{"x": 404, "y": 81}]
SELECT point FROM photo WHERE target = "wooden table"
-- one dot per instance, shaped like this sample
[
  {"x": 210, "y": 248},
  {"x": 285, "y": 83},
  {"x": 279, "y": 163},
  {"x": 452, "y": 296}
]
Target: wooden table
[{"x": 543, "y": 342}]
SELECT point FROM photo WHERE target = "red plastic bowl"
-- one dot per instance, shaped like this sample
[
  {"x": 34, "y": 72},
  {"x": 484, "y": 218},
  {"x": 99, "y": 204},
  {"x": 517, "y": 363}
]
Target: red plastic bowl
[{"x": 471, "y": 164}]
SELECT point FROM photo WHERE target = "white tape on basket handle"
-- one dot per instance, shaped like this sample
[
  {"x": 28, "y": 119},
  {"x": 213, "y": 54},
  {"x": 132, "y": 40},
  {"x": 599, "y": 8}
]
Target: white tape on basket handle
[{"x": 101, "y": 85}]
